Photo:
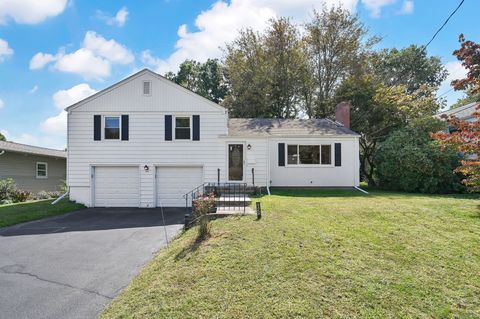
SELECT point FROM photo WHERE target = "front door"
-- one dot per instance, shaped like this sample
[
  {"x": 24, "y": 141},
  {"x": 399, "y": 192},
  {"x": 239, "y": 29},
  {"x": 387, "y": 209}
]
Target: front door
[{"x": 235, "y": 162}]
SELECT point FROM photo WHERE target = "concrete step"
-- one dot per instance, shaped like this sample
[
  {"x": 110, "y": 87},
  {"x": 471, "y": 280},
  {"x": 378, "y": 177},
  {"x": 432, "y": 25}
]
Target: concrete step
[{"x": 235, "y": 211}]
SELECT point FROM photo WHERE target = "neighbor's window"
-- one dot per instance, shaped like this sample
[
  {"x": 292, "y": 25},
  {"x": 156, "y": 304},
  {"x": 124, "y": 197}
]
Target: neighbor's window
[
  {"x": 147, "y": 87},
  {"x": 326, "y": 154},
  {"x": 42, "y": 170},
  {"x": 309, "y": 154},
  {"x": 112, "y": 128},
  {"x": 182, "y": 128}
]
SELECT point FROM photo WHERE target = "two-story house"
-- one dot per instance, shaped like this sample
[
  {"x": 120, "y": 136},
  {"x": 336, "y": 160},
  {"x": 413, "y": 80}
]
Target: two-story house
[{"x": 146, "y": 141}]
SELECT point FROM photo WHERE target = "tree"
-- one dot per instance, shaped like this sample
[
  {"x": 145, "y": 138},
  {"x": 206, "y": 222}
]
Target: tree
[
  {"x": 410, "y": 66},
  {"x": 466, "y": 138},
  {"x": 469, "y": 98},
  {"x": 206, "y": 79},
  {"x": 378, "y": 110},
  {"x": 265, "y": 72},
  {"x": 336, "y": 47},
  {"x": 469, "y": 54},
  {"x": 2, "y": 137},
  {"x": 409, "y": 160}
]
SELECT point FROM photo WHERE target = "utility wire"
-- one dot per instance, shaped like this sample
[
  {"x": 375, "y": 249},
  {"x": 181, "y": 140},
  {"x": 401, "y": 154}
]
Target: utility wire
[{"x": 444, "y": 24}]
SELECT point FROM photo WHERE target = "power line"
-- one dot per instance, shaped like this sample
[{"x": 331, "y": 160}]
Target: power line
[
  {"x": 444, "y": 24},
  {"x": 446, "y": 92}
]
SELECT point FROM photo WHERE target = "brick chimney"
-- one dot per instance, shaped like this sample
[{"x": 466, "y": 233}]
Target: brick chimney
[{"x": 342, "y": 113}]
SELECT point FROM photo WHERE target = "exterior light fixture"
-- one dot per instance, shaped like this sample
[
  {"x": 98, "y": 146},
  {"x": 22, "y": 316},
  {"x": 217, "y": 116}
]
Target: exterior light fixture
[
  {"x": 249, "y": 146},
  {"x": 146, "y": 168}
]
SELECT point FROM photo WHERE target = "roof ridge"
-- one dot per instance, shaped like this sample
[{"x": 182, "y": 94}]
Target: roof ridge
[{"x": 41, "y": 147}]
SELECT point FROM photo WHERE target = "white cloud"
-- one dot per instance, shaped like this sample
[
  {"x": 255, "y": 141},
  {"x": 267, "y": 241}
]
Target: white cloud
[
  {"x": 5, "y": 50},
  {"x": 40, "y": 59},
  {"x": 92, "y": 61},
  {"x": 2, "y": 104},
  {"x": 407, "y": 7},
  {"x": 33, "y": 89},
  {"x": 30, "y": 11},
  {"x": 65, "y": 98},
  {"x": 455, "y": 71},
  {"x": 375, "y": 6},
  {"x": 57, "y": 125},
  {"x": 108, "y": 49},
  {"x": 119, "y": 19}
]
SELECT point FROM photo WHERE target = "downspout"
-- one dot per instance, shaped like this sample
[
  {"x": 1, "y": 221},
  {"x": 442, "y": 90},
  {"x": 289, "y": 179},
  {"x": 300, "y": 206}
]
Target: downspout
[
  {"x": 61, "y": 197},
  {"x": 2, "y": 152},
  {"x": 268, "y": 165}
]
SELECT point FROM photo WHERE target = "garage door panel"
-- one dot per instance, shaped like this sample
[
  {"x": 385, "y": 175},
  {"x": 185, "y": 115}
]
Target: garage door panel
[
  {"x": 117, "y": 186},
  {"x": 174, "y": 182}
]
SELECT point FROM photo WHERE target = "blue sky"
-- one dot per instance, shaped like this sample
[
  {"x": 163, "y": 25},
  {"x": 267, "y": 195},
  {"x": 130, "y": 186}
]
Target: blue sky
[{"x": 56, "y": 52}]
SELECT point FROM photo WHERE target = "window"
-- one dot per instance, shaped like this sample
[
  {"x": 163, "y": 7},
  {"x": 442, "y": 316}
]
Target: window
[
  {"x": 182, "y": 128},
  {"x": 309, "y": 154},
  {"x": 326, "y": 154},
  {"x": 42, "y": 170},
  {"x": 146, "y": 87},
  {"x": 112, "y": 127}
]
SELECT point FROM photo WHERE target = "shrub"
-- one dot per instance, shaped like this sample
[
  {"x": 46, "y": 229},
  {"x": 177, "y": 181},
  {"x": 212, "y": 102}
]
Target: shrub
[
  {"x": 410, "y": 161},
  {"x": 7, "y": 187},
  {"x": 46, "y": 195},
  {"x": 19, "y": 195},
  {"x": 201, "y": 207}
]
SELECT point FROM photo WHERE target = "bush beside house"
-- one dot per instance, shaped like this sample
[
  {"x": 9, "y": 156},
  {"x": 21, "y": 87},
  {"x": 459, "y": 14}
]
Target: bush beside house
[
  {"x": 10, "y": 193},
  {"x": 409, "y": 160}
]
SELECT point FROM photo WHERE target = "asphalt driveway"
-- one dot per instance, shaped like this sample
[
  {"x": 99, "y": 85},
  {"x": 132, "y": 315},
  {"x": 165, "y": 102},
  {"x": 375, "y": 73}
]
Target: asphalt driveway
[{"x": 73, "y": 265}]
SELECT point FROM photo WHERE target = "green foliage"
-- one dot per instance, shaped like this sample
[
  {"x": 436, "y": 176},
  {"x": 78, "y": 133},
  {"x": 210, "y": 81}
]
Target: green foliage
[
  {"x": 7, "y": 188},
  {"x": 18, "y": 196},
  {"x": 201, "y": 207},
  {"x": 2, "y": 137},
  {"x": 409, "y": 160},
  {"x": 469, "y": 98},
  {"x": 410, "y": 66},
  {"x": 206, "y": 79}
]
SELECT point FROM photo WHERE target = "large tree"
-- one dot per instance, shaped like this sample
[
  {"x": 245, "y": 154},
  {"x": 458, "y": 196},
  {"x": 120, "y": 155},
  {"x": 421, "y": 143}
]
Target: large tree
[
  {"x": 336, "y": 45},
  {"x": 469, "y": 55},
  {"x": 410, "y": 66},
  {"x": 378, "y": 110},
  {"x": 265, "y": 71},
  {"x": 206, "y": 79}
]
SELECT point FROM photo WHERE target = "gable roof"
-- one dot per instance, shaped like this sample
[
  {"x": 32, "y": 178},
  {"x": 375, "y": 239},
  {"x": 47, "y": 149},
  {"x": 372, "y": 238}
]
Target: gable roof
[
  {"x": 134, "y": 76},
  {"x": 464, "y": 112},
  {"x": 29, "y": 149},
  {"x": 286, "y": 127}
]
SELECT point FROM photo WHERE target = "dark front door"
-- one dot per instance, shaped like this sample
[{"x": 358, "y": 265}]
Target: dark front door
[{"x": 235, "y": 162}]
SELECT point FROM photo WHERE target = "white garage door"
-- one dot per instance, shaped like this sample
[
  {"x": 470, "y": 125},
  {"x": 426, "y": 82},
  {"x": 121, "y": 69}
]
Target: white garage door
[
  {"x": 116, "y": 186},
  {"x": 174, "y": 182}
]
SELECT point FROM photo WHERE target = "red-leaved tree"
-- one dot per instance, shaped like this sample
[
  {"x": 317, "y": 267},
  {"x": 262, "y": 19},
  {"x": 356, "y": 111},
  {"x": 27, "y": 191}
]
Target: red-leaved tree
[{"x": 466, "y": 136}]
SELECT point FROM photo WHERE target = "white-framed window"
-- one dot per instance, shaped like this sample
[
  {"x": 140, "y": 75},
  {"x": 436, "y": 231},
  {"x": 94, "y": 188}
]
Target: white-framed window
[
  {"x": 183, "y": 130},
  {"x": 111, "y": 130},
  {"x": 309, "y": 154},
  {"x": 147, "y": 88},
  {"x": 42, "y": 170}
]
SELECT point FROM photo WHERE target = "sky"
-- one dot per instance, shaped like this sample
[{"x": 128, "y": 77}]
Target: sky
[{"x": 54, "y": 53}]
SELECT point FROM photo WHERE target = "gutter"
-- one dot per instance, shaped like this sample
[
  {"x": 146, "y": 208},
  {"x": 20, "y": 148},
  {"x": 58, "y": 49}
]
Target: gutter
[{"x": 61, "y": 197}]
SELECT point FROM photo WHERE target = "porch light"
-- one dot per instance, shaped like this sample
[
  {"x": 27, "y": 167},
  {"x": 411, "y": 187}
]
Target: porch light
[
  {"x": 249, "y": 147},
  {"x": 146, "y": 168}
]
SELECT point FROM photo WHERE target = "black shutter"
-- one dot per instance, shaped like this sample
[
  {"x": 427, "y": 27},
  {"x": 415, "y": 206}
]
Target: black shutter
[
  {"x": 97, "y": 127},
  {"x": 196, "y": 127},
  {"x": 338, "y": 154},
  {"x": 124, "y": 127},
  {"x": 281, "y": 154},
  {"x": 168, "y": 127}
]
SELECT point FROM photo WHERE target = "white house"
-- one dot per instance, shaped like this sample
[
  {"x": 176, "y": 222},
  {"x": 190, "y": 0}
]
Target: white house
[{"x": 146, "y": 141}]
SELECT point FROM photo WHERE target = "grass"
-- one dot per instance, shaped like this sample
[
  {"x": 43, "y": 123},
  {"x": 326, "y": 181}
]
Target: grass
[
  {"x": 11, "y": 214},
  {"x": 314, "y": 254}
]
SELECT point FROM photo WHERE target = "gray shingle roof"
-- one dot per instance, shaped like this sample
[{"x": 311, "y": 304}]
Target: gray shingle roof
[
  {"x": 286, "y": 127},
  {"x": 464, "y": 112},
  {"x": 22, "y": 148}
]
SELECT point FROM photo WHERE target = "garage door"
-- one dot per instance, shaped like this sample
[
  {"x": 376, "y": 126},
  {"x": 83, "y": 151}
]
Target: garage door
[
  {"x": 116, "y": 186},
  {"x": 174, "y": 182}
]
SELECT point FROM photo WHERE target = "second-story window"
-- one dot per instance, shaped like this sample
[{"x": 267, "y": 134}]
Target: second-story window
[
  {"x": 112, "y": 127},
  {"x": 182, "y": 128}
]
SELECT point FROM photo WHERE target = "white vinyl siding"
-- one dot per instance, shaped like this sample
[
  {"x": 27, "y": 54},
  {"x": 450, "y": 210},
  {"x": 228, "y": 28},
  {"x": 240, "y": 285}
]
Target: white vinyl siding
[
  {"x": 174, "y": 182},
  {"x": 116, "y": 186}
]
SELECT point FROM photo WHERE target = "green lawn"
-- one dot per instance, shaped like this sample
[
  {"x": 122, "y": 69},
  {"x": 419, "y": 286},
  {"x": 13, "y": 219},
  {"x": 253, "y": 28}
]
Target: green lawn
[
  {"x": 334, "y": 254},
  {"x": 23, "y": 212}
]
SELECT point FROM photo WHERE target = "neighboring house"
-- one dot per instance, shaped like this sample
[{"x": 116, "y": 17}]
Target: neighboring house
[
  {"x": 146, "y": 141},
  {"x": 464, "y": 113},
  {"x": 33, "y": 168}
]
